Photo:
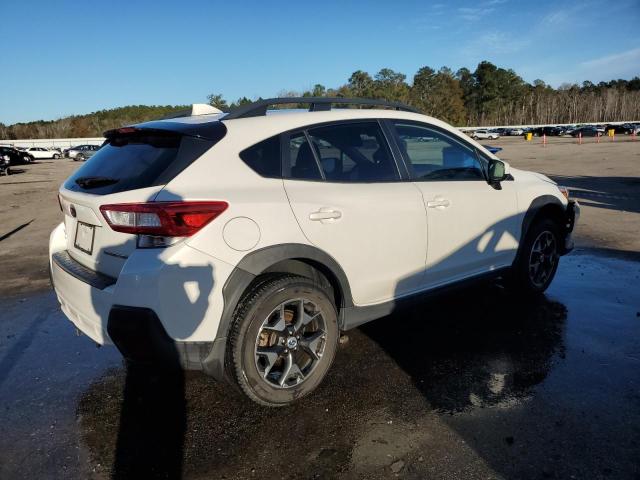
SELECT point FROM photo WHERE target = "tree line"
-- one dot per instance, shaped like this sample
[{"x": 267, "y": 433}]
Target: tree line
[
  {"x": 89, "y": 125},
  {"x": 490, "y": 95}
]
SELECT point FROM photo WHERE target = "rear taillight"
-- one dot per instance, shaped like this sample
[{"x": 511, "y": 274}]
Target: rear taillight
[{"x": 165, "y": 219}]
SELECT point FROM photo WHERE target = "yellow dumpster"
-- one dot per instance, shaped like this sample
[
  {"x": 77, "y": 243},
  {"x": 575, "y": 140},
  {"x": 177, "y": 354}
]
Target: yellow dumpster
[
  {"x": 528, "y": 136},
  {"x": 611, "y": 132}
]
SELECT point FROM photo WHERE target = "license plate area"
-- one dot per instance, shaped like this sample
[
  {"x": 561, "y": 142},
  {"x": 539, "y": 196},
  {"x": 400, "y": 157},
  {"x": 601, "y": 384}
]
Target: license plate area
[{"x": 84, "y": 237}]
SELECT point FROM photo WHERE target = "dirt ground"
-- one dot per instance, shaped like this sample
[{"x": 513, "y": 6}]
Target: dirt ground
[{"x": 604, "y": 177}]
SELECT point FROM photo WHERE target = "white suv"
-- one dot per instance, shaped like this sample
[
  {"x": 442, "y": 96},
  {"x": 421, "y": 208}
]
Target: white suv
[
  {"x": 41, "y": 152},
  {"x": 485, "y": 134},
  {"x": 242, "y": 244}
]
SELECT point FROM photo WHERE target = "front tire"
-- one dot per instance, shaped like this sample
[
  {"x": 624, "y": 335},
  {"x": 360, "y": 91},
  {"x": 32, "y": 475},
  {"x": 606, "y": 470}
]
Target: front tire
[
  {"x": 79, "y": 158},
  {"x": 283, "y": 339},
  {"x": 538, "y": 260},
  {"x": 56, "y": 156}
]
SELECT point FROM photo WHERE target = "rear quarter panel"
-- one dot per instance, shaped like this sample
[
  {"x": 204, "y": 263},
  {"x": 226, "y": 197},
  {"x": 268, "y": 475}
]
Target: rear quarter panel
[{"x": 220, "y": 174}]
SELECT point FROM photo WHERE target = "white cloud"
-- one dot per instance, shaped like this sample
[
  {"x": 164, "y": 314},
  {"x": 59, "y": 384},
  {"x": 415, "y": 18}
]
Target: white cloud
[
  {"x": 609, "y": 67},
  {"x": 495, "y": 43},
  {"x": 473, "y": 13},
  {"x": 627, "y": 61},
  {"x": 555, "y": 18},
  {"x": 481, "y": 10}
]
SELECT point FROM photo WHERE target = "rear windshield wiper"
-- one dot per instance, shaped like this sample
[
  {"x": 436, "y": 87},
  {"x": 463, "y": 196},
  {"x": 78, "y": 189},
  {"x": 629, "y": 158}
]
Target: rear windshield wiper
[{"x": 94, "y": 182}]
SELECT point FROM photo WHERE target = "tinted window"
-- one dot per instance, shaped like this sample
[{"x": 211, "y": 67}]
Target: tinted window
[
  {"x": 436, "y": 156},
  {"x": 264, "y": 157},
  {"x": 302, "y": 162},
  {"x": 354, "y": 152},
  {"x": 137, "y": 160}
]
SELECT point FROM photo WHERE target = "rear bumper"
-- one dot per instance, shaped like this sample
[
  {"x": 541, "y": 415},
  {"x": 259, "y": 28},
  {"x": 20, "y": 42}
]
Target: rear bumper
[
  {"x": 572, "y": 216},
  {"x": 141, "y": 338},
  {"x": 85, "y": 305},
  {"x": 164, "y": 304}
]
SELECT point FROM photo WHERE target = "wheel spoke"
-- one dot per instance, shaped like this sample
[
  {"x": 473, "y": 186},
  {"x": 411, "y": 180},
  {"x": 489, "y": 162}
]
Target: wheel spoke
[
  {"x": 280, "y": 324},
  {"x": 290, "y": 369},
  {"x": 310, "y": 344},
  {"x": 304, "y": 318},
  {"x": 271, "y": 355}
]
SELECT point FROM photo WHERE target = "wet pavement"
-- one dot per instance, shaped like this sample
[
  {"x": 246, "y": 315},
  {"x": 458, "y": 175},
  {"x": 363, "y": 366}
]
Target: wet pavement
[{"x": 472, "y": 385}]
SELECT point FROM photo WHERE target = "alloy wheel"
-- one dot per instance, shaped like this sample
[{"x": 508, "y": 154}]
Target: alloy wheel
[
  {"x": 290, "y": 343},
  {"x": 543, "y": 258}
]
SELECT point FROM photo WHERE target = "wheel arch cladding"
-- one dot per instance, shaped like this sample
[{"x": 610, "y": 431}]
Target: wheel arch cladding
[
  {"x": 543, "y": 206},
  {"x": 540, "y": 207},
  {"x": 298, "y": 259}
]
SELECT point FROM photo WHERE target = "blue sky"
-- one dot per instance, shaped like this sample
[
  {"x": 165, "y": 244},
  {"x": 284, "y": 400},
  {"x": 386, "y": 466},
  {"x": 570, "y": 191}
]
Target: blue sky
[{"x": 61, "y": 58}]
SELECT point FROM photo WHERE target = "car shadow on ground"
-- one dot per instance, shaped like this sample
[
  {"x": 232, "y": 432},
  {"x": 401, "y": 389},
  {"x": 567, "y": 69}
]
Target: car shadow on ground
[
  {"x": 612, "y": 193},
  {"x": 468, "y": 349},
  {"x": 152, "y": 415},
  {"x": 471, "y": 349},
  {"x": 478, "y": 347}
]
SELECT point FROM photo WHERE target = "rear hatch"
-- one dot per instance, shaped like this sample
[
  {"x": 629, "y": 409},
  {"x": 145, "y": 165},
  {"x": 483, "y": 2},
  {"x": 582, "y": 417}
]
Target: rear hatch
[{"x": 132, "y": 166}]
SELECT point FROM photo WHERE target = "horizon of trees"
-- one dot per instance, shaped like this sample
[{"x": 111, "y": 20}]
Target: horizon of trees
[{"x": 490, "y": 95}]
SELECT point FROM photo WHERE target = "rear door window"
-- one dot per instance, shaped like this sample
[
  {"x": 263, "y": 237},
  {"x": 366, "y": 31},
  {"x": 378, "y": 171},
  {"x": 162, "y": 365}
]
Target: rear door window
[
  {"x": 354, "y": 153},
  {"x": 141, "y": 159},
  {"x": 302, "y": 163}
]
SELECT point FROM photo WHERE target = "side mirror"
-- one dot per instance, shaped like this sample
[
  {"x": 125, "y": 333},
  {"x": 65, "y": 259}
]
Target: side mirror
[{"x": 497, "y": 172}]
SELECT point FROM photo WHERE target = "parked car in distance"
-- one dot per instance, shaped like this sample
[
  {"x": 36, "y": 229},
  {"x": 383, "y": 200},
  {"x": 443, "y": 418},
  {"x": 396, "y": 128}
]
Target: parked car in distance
[
  {"x": 548, "y": 131},
  {"x": 41, "y": 152},
  {"x": 82, "y": 152},
  {"x": 624, "y": 129},
  {"x": 485, "y": 134},
  {"x": 242, "y": 243},
  {"x": 515, "y": 132},
  {"x": 16, "y": 156},
  {"x": 588, "y": 131},
  {"x": 5, "y": 165}
]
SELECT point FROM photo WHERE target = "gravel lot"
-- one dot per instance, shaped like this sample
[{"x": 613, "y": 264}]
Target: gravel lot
[{"x": 472, "y": 385}]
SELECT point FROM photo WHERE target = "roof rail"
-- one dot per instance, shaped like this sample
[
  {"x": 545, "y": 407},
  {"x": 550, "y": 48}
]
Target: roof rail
[{"x": 316, "y": 104}]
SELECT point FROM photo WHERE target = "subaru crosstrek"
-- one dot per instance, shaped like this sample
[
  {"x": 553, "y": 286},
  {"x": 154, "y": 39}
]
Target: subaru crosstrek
[{"x": 242, "y": 244}]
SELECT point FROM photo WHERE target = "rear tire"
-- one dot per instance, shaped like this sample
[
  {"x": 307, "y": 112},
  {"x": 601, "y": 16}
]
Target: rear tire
[
  {"x": 283, "y": 339},
  {"x": 79, "y": 158},
  {"x": 538, "y": 259},
  {"x": 56, "y": 156}
]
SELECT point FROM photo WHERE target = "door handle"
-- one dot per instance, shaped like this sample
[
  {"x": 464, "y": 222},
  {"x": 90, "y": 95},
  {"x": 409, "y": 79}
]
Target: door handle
[
  {"x": 440, "y": 203},
  {"x": 325, "y": 214}
]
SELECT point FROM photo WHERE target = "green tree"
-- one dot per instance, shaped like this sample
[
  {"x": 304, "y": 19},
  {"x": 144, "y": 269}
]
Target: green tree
[
  {"x": 360, "y": 84},
  {"x": 391, "y": 85},
  {"x": 439, "y": 94},
  {"x": 218, "y": 101}
]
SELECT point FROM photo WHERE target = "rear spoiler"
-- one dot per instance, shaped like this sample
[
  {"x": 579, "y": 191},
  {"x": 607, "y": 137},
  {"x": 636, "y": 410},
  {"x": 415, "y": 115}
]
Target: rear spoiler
[{"x": 213, "y": 130}]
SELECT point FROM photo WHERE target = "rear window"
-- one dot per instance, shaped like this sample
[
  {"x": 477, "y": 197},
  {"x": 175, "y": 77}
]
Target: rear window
[{"x": 137, "y": 160}]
